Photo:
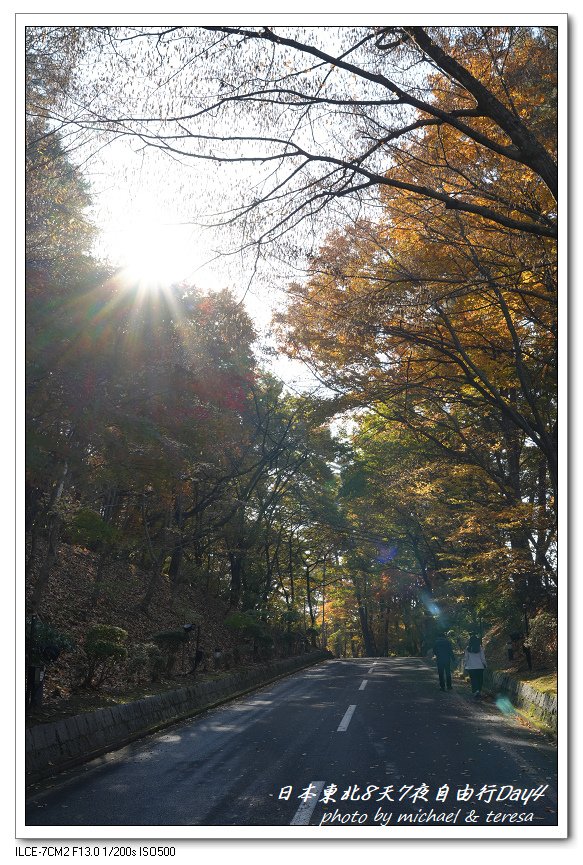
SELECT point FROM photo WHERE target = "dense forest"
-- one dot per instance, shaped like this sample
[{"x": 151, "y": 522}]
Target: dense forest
[{"x": 172, "y": 478}]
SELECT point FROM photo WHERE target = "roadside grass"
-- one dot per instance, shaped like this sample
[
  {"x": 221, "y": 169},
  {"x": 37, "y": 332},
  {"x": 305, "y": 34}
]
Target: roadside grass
[{"x": 546, "y": 683}]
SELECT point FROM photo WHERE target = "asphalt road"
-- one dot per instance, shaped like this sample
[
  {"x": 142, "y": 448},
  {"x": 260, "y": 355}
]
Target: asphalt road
[{"x": 306, "y": 749}]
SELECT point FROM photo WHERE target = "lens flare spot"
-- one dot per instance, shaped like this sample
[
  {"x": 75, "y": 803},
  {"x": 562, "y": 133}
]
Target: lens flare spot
[
  {"x": 430, "y": 604},
  {"x": 386, "y": 554},
  {"x": 504, "y": 705}
]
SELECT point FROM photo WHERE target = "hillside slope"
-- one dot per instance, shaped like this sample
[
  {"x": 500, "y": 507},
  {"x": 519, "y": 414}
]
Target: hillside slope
[{"x": 69, "y": 605}]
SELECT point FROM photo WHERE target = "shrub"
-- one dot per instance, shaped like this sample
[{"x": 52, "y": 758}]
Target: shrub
[
  {"x": 45, "y": 643},
  {"x": 311, "y": 635},
  {"x": 543, "y": 639},
  {"x": 155, "y": 661},
  {"x": 242, "y": 653},
  {"x": 291, "y": 616},
  {"x": 104, "y": 647},
  {"x": 137, "y": 661},
  {"x": 250, "y": 627},
  {"x": 169, "y": 642},
  {"x": 145, "y": 661},
  {"x": 246, "y": 624},
  {"x": 88, "y": 529}
]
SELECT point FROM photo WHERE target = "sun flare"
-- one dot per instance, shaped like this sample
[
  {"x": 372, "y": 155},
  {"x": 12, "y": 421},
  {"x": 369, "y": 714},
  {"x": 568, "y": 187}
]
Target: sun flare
[{"x": 155, "y": 255}]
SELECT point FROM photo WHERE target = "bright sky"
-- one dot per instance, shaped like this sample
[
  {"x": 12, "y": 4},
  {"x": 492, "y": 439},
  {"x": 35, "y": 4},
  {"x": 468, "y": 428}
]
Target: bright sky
[
  {"x": 145, "y": 196},
  {"x": 145, "y": 207},
  {"x": 150, "y": 210}
]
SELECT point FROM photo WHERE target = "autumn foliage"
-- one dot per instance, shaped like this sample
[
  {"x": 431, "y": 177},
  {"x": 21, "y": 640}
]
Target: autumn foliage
[{"x": 158, "y": 444}]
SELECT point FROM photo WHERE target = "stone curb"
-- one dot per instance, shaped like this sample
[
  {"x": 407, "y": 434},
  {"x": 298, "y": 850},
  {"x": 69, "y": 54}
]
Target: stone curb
[
  {"x": 55, "y": 747},
  {"x": 541, "y": 707}
]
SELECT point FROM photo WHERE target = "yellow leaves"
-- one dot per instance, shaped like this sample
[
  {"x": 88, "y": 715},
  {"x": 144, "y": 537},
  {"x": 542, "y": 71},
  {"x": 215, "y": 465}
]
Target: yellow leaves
[{"x": 443, "y": 323}]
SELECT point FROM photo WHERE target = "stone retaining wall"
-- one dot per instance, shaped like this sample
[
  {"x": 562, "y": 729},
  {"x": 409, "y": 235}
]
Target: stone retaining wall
[
  {"x": 542, "y": 707},
  {"x": 51, "y": 748}
]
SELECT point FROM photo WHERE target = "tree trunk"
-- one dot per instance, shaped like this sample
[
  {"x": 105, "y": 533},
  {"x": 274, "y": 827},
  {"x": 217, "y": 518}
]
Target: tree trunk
[
  {"x": 386, "y": 632},
  {"x": 236, "y": 563},
  {"x": 177, "y": 548},
  {"x": 175, "y": 562},
  {"x": 54, "y": 533},
  {"x": 310, "y": 608},
  {"x": 370, "y": 647},
  {"x": 54, "y": 525}
]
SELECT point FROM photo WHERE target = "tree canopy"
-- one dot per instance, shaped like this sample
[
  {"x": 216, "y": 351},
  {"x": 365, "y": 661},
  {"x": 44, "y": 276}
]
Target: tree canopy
[
  {"x": 409, "y": 174},
  {"x": 331, "y": 114}
]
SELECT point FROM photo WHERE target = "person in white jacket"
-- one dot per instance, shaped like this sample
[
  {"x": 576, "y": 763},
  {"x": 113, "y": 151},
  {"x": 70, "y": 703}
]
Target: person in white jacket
[{"x": 475, "y": 664}]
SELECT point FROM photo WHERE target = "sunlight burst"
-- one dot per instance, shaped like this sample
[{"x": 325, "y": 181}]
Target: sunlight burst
[{"x": 155, "y": 255}]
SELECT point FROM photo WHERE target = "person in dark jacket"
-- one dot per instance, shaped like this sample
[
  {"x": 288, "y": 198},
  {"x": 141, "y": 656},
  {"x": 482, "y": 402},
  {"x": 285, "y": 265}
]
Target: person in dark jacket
[{"x": 444, "y": 656}]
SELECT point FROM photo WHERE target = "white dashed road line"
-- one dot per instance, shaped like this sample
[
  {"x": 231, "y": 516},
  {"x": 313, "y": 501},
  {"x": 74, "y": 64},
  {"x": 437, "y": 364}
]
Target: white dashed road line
[
  {"x": 306, "y": 809},
  {"x": 363, "y": 684},
  {"x": 343, "y": 726}
]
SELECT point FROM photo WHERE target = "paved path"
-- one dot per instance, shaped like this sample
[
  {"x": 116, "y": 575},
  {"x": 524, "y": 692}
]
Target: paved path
[{"x": 344, "y": 724}]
